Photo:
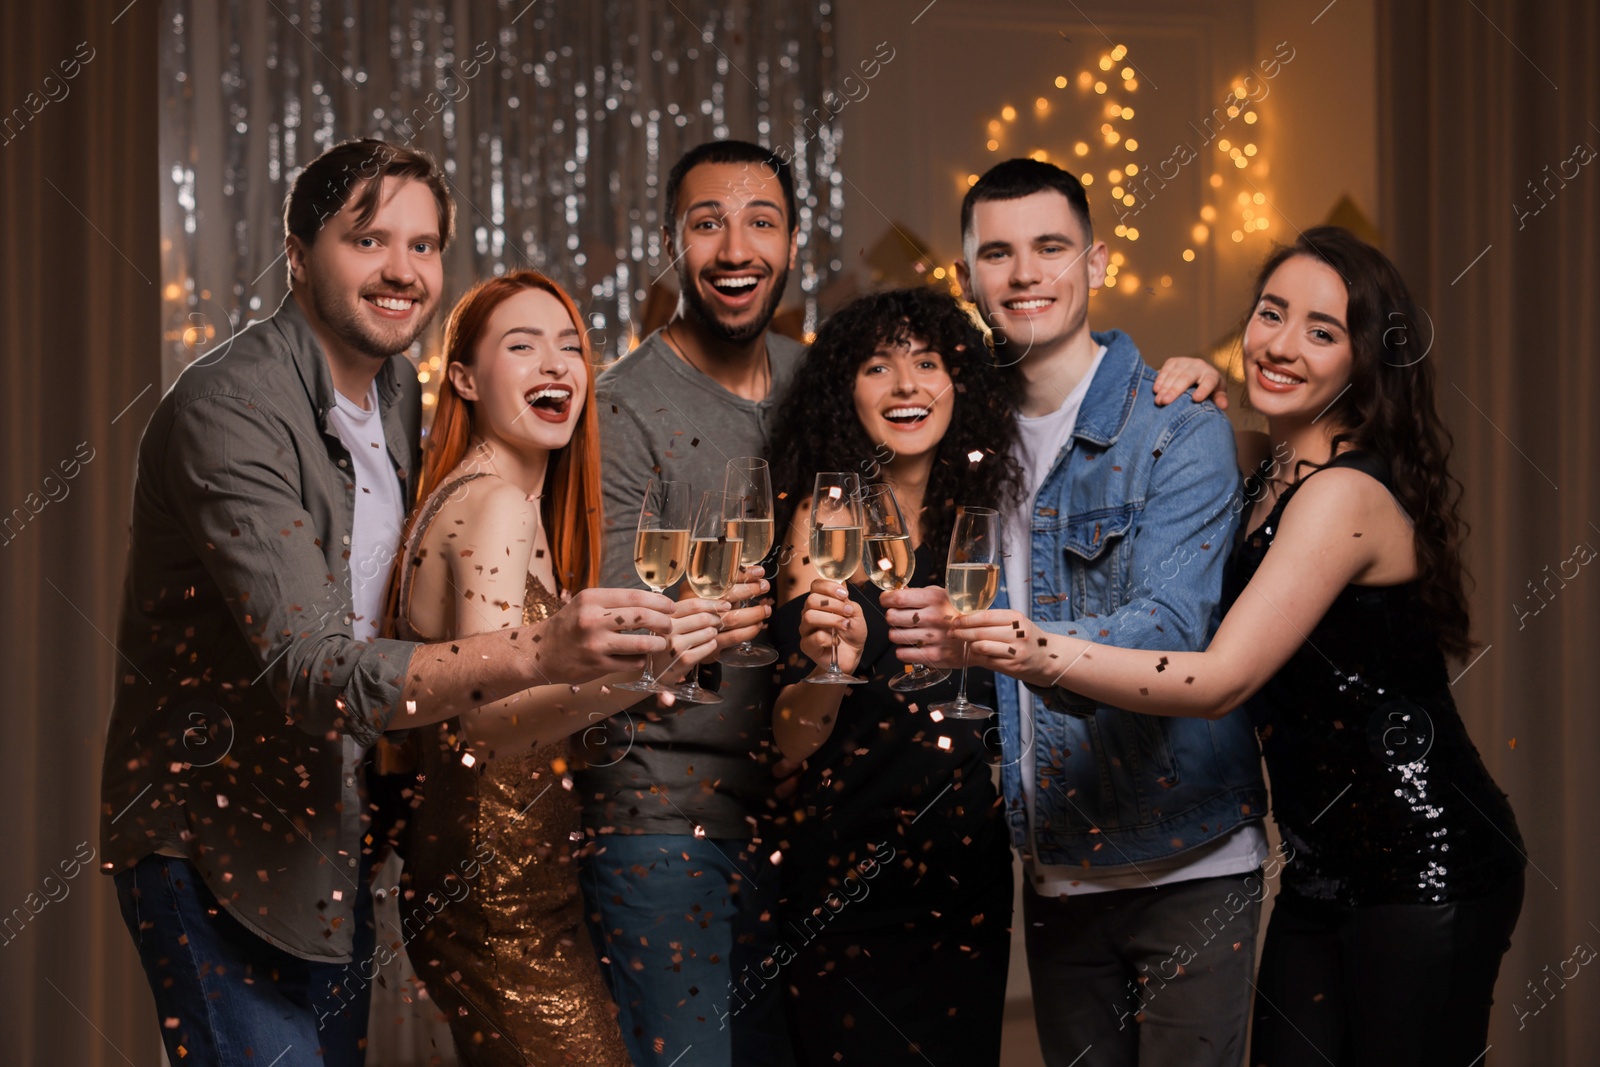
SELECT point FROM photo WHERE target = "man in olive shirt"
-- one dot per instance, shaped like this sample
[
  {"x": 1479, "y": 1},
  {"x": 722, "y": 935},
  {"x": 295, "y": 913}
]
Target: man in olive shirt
[
  {"x": 266, "y": 505},
  {"x": 676, "y": 890}
]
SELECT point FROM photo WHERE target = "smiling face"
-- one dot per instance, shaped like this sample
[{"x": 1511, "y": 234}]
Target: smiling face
[
  {"x": 734, "y": 248},
  {"x": 375, "y": 288},
  {"x": 1029, "y": 267},
  {"x": 1297, "y": 352},
  {"x": 528, "y": 377},
  {"x": 904, "y": 398}
]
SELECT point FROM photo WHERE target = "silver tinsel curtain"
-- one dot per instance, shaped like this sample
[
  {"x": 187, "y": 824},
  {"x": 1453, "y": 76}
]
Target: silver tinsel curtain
[{"x": 556, "y": 124}]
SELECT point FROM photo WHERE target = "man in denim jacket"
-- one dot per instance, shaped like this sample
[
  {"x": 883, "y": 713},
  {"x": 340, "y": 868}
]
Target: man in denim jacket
[{"x": 1141, "y": 836}]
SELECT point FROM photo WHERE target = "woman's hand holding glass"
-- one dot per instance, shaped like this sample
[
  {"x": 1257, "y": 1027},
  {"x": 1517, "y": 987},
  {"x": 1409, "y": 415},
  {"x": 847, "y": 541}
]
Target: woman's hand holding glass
[
  {"x": 831, "y": 623},
  {"x": 836, "y": 524}
]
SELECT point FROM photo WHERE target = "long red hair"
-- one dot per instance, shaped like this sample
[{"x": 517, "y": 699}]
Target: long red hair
[{"x": 570, "y": 508}]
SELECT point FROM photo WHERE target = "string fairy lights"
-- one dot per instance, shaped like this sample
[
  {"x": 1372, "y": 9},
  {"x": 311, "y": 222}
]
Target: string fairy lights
[{"x": 1104, "y": 148}]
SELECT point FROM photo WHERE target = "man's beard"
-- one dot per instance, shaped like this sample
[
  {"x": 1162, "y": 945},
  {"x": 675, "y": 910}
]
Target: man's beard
[
  {"x": 347, "y": 323},
  {"x": 703, "y": 314}
]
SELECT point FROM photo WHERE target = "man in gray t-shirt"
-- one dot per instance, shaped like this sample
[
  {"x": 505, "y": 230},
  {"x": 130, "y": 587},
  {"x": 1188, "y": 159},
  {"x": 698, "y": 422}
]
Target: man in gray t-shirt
[{"x": 676, "y": 887}]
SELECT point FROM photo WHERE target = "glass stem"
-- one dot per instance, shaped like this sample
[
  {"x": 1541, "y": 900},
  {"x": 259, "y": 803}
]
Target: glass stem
[
  {"x": 961, "y": 696},
  {"x": 650, "y": 658},
  {"x": 745, "y": 646}
]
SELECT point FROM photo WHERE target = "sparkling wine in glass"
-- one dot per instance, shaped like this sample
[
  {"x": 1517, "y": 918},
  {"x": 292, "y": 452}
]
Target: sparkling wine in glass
[
  {"x": 749, "y": 482},
  {"x": 660, "y": 553},
  {"x": 713, "y": 568},
  {"x": 972, "y": 578},
  {"x": 836, "y": 527},
  {"x": 890, "y": 563}
]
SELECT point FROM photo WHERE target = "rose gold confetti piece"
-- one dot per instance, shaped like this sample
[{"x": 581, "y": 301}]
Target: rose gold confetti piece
[{"x": 944, "y": 744}]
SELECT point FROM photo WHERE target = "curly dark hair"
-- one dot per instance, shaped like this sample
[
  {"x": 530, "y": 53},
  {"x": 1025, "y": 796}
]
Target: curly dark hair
[
  {"x": 818, "y": 429},
  {"x": 1388, "y": 410}
]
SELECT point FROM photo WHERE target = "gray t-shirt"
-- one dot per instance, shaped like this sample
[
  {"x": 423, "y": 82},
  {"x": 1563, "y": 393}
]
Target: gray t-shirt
[{"x": 670, "y": 770}]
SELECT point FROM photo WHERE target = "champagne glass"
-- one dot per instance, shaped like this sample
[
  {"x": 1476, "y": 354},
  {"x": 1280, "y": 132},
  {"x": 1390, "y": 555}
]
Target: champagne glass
[
  {"x": 749, "y": 482},
  {"x": 890, "y": 564},
  {"x": 972, "y": 578},
  {"x": 713, "y": 568},
  {"x": 836, "y": 547},
  {"x": 660, "y": 553}
]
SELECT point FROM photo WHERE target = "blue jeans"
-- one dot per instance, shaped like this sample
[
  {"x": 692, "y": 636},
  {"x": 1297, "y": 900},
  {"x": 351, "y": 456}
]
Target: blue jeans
[
  {"x": 674, "y": 934},
  {"x": 235, "y": 998}
]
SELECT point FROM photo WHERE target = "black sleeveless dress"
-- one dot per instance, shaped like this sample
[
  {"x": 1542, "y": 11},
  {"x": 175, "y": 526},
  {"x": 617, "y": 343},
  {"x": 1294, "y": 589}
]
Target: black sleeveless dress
[
  {"x": 1375, "y": 784},
  {"x": 896, "y": 872}
]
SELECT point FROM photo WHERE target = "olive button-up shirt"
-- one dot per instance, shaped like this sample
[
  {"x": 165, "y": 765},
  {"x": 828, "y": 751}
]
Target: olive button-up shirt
[{"x": 244, "y": 705}]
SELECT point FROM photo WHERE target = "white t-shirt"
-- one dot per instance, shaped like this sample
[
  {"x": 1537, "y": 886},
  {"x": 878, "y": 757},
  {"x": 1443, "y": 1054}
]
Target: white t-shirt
[
  {"x": 1040, "y": 441},
  {"x": 375, "y": 532}
]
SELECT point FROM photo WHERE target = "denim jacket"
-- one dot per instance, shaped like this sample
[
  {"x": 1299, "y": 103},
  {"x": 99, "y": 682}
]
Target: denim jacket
[{"x": 1131, "y": 530}]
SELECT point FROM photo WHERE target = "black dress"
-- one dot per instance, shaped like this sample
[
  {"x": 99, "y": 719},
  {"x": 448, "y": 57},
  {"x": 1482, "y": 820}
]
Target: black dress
[
  {"x": 1405, "y": 865},
  {"x": 896, "y": 912}
]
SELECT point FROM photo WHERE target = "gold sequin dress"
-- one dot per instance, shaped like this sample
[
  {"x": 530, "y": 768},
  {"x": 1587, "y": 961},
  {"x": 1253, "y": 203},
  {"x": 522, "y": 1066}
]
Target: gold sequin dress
[{"x": 494, "y": 917}]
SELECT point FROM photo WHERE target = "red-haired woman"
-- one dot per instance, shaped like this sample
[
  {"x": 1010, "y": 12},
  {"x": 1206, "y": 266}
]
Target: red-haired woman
[{"x": 509, "y": 520}]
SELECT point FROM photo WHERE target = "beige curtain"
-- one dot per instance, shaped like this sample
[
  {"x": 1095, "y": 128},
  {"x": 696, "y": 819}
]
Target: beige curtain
[
  {"x": 80, "y": 322},
  {"x": 1477, "y": 101}
]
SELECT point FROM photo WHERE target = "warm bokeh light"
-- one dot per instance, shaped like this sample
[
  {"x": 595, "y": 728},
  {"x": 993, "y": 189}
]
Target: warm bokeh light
[
  {"x": 1061, "y": 81},
  {"x": 1188, "y": 255},
  {"x": 1200, "y": 233},
  {"x": 1008, "y": 113},
  {"x": 1099, "y": 87},
  {"x": 1080, "y": 149}
]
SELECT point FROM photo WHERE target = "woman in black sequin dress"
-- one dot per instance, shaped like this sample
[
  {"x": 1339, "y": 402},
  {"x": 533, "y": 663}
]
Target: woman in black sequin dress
[{"x": 1405, "y": 873}]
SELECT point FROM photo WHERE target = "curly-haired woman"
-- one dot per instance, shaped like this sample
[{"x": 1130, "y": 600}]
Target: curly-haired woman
[
  {"x": 1344, "y": 598},
  {"x": 897, "y": 874}
]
